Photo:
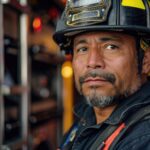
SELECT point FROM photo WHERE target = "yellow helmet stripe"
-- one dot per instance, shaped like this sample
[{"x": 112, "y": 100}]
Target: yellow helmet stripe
[{"x": 133, "y": 3}]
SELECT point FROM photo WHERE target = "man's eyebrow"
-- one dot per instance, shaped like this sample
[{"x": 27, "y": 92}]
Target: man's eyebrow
[
  {"x": 82, "y": 41},
  {"x": 101, "y": 39}
]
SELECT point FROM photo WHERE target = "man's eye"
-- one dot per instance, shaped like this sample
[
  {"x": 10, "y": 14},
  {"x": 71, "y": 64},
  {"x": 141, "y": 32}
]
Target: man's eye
[
  {"x": 112, "y": 47},
  {"x": 82, "y": 49}
]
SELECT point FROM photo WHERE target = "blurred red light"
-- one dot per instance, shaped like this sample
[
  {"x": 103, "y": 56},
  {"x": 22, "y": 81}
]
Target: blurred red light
[{"x": 37, "y": 24}]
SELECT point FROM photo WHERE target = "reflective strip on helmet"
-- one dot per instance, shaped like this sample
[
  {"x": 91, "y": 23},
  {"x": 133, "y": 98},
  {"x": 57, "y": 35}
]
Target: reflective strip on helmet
[
  {"x": 79, "y": 3},
  {"x": 133, "y": 3},
  {"x": 144, "y": 44}
]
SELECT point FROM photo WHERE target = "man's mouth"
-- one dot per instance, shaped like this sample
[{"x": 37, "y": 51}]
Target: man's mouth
[
  {"x": 97, "y": 77},
  {"x": 95, "y": 81}
]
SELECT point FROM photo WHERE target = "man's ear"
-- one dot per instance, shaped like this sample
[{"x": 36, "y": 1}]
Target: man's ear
[{"x": 146, "y": 62}]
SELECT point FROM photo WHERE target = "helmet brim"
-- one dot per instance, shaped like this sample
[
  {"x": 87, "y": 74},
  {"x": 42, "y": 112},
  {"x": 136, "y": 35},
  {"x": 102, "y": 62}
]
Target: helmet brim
[{"x": 61, "y": 36}]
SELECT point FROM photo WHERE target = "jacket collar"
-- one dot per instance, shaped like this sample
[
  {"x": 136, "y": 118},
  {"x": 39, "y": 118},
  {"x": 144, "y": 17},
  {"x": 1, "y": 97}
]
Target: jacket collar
[
  {"x": 125, "y": 108},
  {"x": 131, "y": 104}
]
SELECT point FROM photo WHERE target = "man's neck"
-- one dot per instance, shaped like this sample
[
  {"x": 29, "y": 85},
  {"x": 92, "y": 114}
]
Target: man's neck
[{"x": 103, "y": 113}]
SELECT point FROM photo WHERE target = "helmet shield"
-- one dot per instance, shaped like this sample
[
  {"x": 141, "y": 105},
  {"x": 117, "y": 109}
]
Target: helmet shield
[{"x": 86, "y": 12}]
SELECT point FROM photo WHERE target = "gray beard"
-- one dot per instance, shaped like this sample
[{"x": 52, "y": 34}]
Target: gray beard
[
  {"x": 100, "y": 101},
  {"x": 94, "y": 99}
]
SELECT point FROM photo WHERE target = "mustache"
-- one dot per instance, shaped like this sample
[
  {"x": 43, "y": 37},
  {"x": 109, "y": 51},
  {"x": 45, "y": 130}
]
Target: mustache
[{"x": 96, "y": 73}]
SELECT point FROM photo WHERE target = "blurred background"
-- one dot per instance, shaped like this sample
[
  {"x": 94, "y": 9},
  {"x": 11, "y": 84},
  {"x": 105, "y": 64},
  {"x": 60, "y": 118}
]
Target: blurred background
[{"x": 36, "y": 87}]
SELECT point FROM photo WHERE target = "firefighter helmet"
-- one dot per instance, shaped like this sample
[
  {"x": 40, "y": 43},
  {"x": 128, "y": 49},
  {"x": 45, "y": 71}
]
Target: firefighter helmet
[{"x": 102, "y": 15}]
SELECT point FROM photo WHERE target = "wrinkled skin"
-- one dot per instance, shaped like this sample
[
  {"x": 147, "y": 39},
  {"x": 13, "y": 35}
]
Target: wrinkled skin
[{"x": 105, "y": 66}]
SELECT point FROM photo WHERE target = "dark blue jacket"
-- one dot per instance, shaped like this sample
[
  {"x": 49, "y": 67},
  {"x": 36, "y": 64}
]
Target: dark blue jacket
[{"x": 85, "y": 131}]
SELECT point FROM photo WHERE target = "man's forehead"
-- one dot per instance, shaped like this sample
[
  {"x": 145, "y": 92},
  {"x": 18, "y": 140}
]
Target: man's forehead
[{"x": 101, "y": 35}]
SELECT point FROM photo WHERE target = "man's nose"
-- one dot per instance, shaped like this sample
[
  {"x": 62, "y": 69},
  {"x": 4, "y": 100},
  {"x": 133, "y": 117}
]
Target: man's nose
[{"x": 95, "y": 58}]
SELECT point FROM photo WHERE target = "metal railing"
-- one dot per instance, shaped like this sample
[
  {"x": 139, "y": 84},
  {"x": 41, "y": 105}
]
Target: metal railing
[{"x": 1, "y": 76}]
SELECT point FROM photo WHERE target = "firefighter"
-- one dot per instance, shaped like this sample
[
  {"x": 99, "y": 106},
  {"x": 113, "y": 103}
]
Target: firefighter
[{"x": 110, "y": 44}]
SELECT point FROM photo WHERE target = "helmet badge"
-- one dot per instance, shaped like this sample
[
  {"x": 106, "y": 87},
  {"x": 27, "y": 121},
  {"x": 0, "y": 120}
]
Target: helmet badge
[{"x": 83, "y": 12}]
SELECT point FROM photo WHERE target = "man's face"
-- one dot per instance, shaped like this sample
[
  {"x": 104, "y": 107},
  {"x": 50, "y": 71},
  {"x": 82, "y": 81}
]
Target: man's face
[{"x": 105, "y": 66}]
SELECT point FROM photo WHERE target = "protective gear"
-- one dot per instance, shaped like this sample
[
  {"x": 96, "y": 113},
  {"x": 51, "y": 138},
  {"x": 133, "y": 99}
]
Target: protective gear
[
  {"x": 131, "y": 16},
  {"x": 85, "y": 134}
]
